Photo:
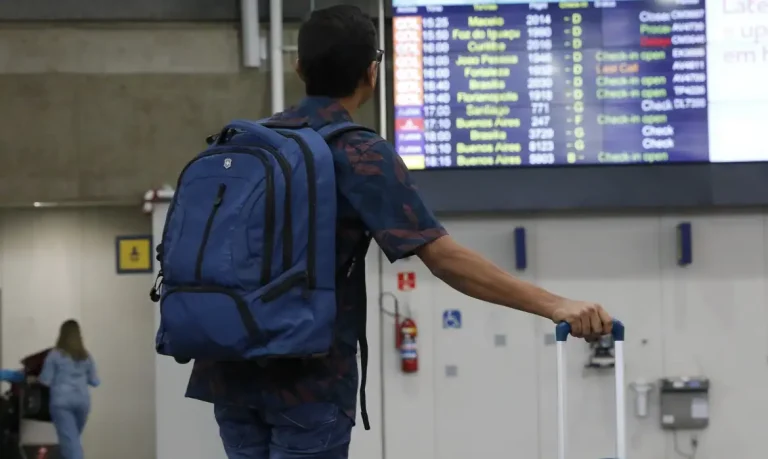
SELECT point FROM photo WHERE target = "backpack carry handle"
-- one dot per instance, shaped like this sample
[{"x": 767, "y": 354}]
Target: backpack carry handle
[
  {"x": 250, "y": 127},
  {"x": 285, "y": 124},
  {"x": 562, "y": 330},
  {"x": 236, "y": 125},
  {"x": 223, "y": 136}
]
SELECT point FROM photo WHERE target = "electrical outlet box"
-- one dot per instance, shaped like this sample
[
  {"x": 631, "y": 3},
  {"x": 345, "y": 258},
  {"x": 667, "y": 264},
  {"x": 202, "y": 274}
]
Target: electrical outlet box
[{"x": 684, "y": 403}]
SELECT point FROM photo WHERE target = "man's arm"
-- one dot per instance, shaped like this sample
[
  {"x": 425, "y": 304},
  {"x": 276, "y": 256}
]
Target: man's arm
[
  {"x": 374, "y": 180},
  {"x": 472, "y": 274}
]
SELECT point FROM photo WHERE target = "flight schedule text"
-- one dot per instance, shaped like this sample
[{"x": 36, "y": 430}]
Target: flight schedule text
[{"x": 548, "y": 83}]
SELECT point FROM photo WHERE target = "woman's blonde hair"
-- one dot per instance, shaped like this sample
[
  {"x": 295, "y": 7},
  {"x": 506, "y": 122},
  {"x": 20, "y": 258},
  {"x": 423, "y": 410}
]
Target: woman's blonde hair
[{"x": 70, "y": 340}]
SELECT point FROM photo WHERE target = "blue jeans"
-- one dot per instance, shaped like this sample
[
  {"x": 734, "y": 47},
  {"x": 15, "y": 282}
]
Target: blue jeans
[
  {"x": 69, "y": 421},
  {"x": 312, "y": 430}
]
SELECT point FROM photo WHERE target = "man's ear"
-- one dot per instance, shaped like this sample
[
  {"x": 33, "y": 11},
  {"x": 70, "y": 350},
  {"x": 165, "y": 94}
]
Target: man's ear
[
  {"x": 373, "y": 74},
  {"x": 297, "y": 67}
]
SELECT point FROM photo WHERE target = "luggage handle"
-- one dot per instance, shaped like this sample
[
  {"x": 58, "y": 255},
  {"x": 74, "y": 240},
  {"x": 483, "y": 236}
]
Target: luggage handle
[{"x": 562, "y": 330}]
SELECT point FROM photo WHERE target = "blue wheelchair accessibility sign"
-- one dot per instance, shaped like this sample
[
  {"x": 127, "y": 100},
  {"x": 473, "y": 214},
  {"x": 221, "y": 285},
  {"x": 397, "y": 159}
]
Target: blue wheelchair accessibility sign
[{"x": 452, "y": 318}]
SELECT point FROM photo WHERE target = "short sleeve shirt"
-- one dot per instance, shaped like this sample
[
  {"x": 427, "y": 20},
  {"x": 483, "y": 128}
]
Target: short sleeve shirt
[{"x": 376, "y": 199}]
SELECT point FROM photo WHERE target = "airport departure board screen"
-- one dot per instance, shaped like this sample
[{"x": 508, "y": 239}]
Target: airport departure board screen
[{"x": 515, "y": 84}]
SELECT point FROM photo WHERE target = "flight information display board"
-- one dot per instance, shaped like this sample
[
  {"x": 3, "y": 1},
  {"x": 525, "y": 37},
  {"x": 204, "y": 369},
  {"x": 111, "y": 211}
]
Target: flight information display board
[{"x": 565, "y": 83}]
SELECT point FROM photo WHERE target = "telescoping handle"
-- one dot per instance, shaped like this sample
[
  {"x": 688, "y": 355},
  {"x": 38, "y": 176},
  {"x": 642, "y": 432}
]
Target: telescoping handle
[{"x": 562, "y": 330}]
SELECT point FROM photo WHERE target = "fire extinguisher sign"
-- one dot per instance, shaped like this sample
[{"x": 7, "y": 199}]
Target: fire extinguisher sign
[{"x": 406, "y": 281}]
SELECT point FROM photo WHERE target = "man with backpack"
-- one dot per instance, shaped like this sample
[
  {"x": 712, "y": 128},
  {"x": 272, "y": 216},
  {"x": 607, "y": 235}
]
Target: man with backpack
[{"x": 262, "y": 257}]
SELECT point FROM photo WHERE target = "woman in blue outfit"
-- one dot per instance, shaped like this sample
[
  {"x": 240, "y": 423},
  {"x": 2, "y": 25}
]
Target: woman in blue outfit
[{"x": 68, "y": 371}]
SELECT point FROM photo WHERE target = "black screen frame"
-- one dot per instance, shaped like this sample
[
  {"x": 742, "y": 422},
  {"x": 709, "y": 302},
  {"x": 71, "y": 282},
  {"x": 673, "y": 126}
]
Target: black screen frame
[{"x": 589, "y": 188}]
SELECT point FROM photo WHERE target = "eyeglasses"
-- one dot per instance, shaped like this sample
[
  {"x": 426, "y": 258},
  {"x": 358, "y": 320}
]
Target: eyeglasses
[{"x": 379, "y": 56}]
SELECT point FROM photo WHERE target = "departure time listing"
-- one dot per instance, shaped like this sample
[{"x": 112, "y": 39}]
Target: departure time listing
[{"x": 551, "y": 84}]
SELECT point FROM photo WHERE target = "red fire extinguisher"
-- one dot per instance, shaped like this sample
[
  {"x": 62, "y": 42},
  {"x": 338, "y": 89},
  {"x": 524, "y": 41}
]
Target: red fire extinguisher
[{"x": 409, "y": 355}]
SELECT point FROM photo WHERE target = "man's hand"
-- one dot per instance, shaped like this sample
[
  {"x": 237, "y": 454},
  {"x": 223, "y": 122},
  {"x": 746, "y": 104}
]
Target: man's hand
[{"x": 587, "y": 320}]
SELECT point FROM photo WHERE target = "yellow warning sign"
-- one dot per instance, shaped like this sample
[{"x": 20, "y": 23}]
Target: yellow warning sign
[{"x": 134, "y": 254}]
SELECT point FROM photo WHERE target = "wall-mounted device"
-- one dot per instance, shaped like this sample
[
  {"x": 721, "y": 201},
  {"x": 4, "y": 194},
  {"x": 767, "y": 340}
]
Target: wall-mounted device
[
  {"x": 684, "y": 403},
  {"x": 601, "y": 353},
  {"x": 642, "y": 390}
]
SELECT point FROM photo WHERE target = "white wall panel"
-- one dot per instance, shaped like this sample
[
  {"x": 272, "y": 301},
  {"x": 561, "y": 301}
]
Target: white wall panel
[
  {"x": 614, "y": 261},
  {"x": 409, "y": 398},
  {"x": 489, "y": 408},
  {"x": 41, "y": 279},
  {"x": 57, "y": 264},
  {"x": 708, "y": 318},
  {"x": 715, "y": 324}
]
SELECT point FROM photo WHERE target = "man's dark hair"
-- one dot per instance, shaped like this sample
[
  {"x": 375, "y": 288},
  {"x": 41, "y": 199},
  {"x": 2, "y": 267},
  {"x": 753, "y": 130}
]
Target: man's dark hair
[{"x": 336, "y": 47}]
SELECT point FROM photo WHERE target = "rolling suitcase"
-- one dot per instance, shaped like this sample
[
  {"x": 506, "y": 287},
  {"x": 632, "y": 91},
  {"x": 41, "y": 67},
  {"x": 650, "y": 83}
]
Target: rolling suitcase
[{"x": 562, "y": 331}]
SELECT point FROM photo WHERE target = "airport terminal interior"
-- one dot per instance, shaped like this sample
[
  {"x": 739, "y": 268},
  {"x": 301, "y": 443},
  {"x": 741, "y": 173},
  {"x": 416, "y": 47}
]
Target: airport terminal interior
[{"x": 595, "y": 148}]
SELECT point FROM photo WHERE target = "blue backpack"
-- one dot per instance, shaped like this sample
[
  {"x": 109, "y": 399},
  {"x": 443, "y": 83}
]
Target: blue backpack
[{"x": 248, "y": 252}]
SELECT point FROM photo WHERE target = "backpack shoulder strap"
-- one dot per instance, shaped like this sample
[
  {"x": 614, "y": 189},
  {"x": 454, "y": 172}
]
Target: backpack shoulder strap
[
  {"x": 358, "y": 256},
  {"x": 332, "y": 131}
]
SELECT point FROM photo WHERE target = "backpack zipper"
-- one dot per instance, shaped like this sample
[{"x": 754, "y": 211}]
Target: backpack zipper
[
  {"x": 207, "y": 231},
  {"x": 242, "y": 307},
  {"x": 285, "y": 286},
  {"x": 287, "y": 213},
  {"x": 309, "y": 162},
  {"x": 269, "y": 219},
  {"x": 270, "y": 223}
]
